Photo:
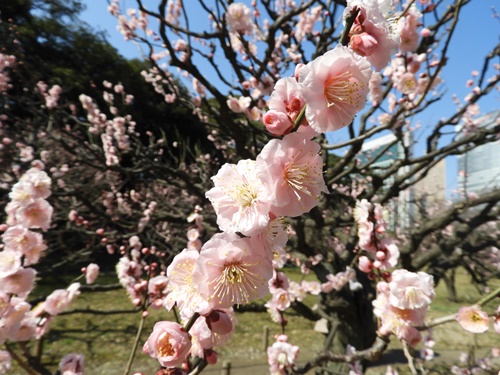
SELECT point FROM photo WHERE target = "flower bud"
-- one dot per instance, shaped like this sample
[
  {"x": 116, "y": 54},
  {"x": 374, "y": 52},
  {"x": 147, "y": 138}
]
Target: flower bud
[
  {"x": 219, "y": 322},
  {"x": 277, "y": 123}
]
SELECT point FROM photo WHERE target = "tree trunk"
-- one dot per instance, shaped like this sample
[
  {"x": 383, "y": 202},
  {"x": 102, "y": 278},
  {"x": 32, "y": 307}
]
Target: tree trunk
[{"x": 450, "y": 285}]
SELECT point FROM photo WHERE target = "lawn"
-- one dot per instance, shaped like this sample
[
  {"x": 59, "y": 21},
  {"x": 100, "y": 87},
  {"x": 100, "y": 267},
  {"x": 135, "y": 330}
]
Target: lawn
[{"x": 105, "y": 340}]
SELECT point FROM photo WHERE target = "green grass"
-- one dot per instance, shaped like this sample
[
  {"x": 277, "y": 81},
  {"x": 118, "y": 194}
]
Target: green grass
[{"x": 106, "y": 340}]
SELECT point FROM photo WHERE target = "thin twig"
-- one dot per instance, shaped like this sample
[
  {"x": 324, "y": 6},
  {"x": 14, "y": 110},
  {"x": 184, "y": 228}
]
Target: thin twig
[{"x": 136, "y": 344}]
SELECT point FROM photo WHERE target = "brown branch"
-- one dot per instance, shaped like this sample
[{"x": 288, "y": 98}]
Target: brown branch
[{"x": 371, "y": 354}]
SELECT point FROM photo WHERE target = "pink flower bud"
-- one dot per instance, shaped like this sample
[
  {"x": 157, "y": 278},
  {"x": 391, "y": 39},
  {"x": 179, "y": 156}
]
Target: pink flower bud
[
  {"x": 73, "y": 215},
  {"x": 219, "y": 322},
  {"x": 365, "y": 264},
  {"x": 298, "y": 68},
  {"x": 277, "y": 123},
  {"x": 91, "y": 273},
  {"x": 210, "y": 356},
  {"x": 363, "y": 44},
  {"x": 425, "y": 32}
]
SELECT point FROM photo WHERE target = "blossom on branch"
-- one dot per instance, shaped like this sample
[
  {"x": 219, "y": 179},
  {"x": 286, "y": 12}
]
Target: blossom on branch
[
  {"x": 335, "y": 87},
  {"x": 281, "y": 355},
  {"x": 402, "y": 304},
  {"x": 230, "y": 271},
  {"x": 473, "y": 319},
  {"x": 169, "y": 343},
  {"x": 239, "y": 19},
  {"x": 240, "y": 199},
  {"x": 372, "y": 35},
  {"x": 182, "y": 289},
  {"x": 291, "y": 171}
]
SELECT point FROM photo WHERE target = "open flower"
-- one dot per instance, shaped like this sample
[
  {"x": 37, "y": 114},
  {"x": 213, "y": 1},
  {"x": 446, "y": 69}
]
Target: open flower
[
  {"x": 372, "y": 35},
  {"x": 291, "y": 170},
  {"x": 473, "y": 319},
  {"x": 239, "y": 18},
  {"x": 169, "y": 343},
  {"x": 411, "y": 290},
  {"x": 335, "y": 88},
  {"x": 239, "y": 198},
  {"x": 229, "y": 271},
  {"x": 281, "y": 355},
  {"x": 181, "y": 289}
]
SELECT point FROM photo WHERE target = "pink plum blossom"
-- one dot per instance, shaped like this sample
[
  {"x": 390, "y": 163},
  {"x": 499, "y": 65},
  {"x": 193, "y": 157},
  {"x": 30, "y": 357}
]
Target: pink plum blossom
[
  {"x": 229, "y": 271},
  {"x": 169, "y": 343},
  {"x": 21, "y": 282},
  {"x": 10, "y": 263},
  {"x": 279, "y": 281},
  {"x": 36, "y": 183},
  {"x": 287, "y": 99},
  {"x": 400, "y": 322},
  {"x": 277, "y": 123},
  {"x": 387, "y": 254},
  {"x": 5, "y": 361},
  {"x": 36, "y": 214},
  {"x": 60, "y": 299},
  {"x": 291, "y": 170},
  {"x": 72, "y": 364},
  {"x": 25, "y": 243},
  {"x": 181, "y": 289},
  {"x": 297, "y": 291},
  {"x": 281, "y": 355},
  {"x": 239, "y": 105},
  {"x": 407, "y": 28},
  {"x": 16, "y": 310},
  {"x": 273, "y": 240},
  {"x": 372, "y": 35},
  {"x": 496, "y": 320},
  {"x": 157, "y": 290},
  {"x": 239, "y": 18},
  {"x": 205, "y": 337},
  {"x": 473, "y": 319},
  {"x": 220, "y": 322},
  {"x": 25, "y": 330},
  {"x": 402, "y": 304},
  {"x": 240, "y": 200},
  {"x": 91, "y": 273},
  {"x": 411, "y": 290},
  {"x": 335, "y": 88}
]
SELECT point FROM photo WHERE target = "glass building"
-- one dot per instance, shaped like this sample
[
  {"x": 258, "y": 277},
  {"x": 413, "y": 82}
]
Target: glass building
[
  {"x": 479, "y": 169},
  {"x": 385, "y": 151}
]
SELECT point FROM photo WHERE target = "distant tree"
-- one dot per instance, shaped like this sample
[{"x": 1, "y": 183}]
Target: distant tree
[{"x": 53, "y": 46}]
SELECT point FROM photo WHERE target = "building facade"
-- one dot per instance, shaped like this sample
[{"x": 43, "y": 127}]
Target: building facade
[{"x": 479, "y": 169}]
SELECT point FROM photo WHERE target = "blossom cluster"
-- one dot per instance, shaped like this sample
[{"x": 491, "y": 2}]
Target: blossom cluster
[
  {"x": 252, "y": 198},
  {"x": 114, "y": 132},
  {"x": 402, "y": 303},
  {"x": 6, "y": 61},
  {"x": 23, "y": 246},
  {"x": 379, "y": 252},
  {"x": 29, "y": 213}
]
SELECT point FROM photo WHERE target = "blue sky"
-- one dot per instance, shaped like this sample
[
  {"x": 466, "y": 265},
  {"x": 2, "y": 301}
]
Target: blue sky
[{"x": 477, "y": 33}]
